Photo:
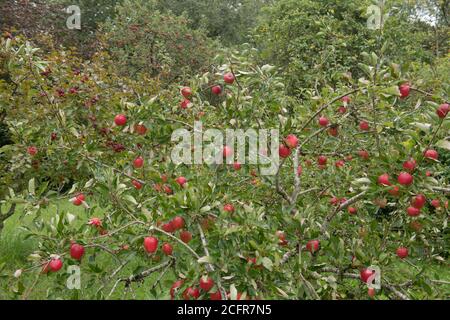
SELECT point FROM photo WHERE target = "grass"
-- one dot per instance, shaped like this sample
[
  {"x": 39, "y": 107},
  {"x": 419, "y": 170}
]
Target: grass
[{"x": 15, "y": 248}]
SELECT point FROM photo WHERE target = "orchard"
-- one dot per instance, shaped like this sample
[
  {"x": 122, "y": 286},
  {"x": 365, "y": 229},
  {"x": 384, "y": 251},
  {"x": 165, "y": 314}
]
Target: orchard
[{"x": 88, "y": 182}]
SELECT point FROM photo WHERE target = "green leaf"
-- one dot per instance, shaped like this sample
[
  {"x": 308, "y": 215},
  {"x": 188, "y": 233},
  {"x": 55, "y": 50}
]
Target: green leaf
[{"x": 444, "y": 144}]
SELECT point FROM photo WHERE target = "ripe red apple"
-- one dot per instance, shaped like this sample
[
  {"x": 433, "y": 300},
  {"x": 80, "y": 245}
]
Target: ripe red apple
[
  {"x": 120, "y": 120},
  {"x": 404, "y": 90},
  {"x": 363, "y": 154},
  {"x": 402, "y": 252},
  {"x": 167, "y": 249},
  {"x": 371, "y": 292},
  {"x": 284, "y": 151},
  {"x": 174, "y": 288},
  {"x": 340, "y": 163},
  {"x": 323, "y": 122},
  {"x": 206, "y": 283},
  {"x": 346, "y": 99},
  {"x": 312, "y": 245},
  {"x": 365, "y": 274},
  {"x": 322, "y": 160},
  {"x": 185, "y": 236},
  {"x": 181, "y": 181},
  {"x": 137, "y": 184},
  {"x": 409, "y": 165},
  {"x": 228, "y": 207},
  {"x": 227, "y": 151},
  {"x": 431, "y": 154},
  {"x": 436, "y": 203},
  {"x": 237, "y": 166},
  {"x": 405, "y": 179},
  {"x": 32, "y": 150},
  {"x": 178, "y": 222},
  {"x": 185, "y": 104},
  {"x": 291, "y": 141},
  {"x": 334, "y": 201},
  {"x": 167, "y": 189},
  {"x": 352, "y": 210},
  {"x": 217, "y": 90},
  {"x": 168, "y": 227},
  {"x": 186, "y": 92},
  {"x": 384, "y": 180},
  {"x": 299, "y": 170},
  {"x": 418, "y": 201},
  {"x": 138, "y": 162},
  {"x": 228, "y": 78},
  {"x": 191, "y": 294},
  {"x": 364, "y": 125},
  {"x": 443, "y": 110},
  {"x": 55, "y": 265},
  {"x": 333, "y": 131},
  {"x": 342, "y": 109},
  {"x": 413, "y": 212},
  {"x": 140, "y": 129},
  {"x": 215, "y": 295},
  {"x": 76, "y": 251},
  {"x": 150, "y": 244}
]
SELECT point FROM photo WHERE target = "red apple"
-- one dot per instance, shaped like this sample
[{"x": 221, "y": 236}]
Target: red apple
[
  {"x": 333, "y": 131},
  {"x": 322, "y": 160},
  {"x": 352, "y": 210},
  {"x": 284, "y": 151},
  {"x": 228, "y": 78},
  {"x": 150, "y": 244},
  {"x": 206, "y": 283},
  {"x": 178, "y": 223},
  {"x": 395, "y": 191},
  {"x": 137, "y": 184},
  {"x": 443, "y": 110},
  {"x": 431, "y": 154},
  {"x": 168, "y": 227},
  {"x": 215, "y": 295},
  {"x": 217, "y": 90},
  {"x": 76, "y": 251},
  {"x": 323, "y": 122},
  {"x": 138, "y": 162},
  {"x": 167, "y": 249},
  {"x": 55, "y": 265},
  {"x": 413, "y": 212},
  {"x": 227, "y": 151},
  {"x": 436, "y": 203},
  {"x": 346, "y": 99},
  {"x": 363, "y": 154},
  {"x": 418, "y": 201},
  {"x": 364, "y": 125},
  {"x": 32, "y": 150},
  {"x": 409, "y": 165},
  {"x": 228, "y": 207},
  {"x": 404, "y": 90},
  {"x": 120, "y": 120},
  {"x": 185, "y": 104},
  {"x": 405, "y": 179},
  {"x": 342, "y": 109},
  {"x": 191, "y": 294},
  {"x": 371, "y": 292},
  {"x": 237, "y": 166},
  {"x": 312, "y": 246},
  {"x": 299, "y": 170},
  {"x": 402, "y": 252},
  {"x": 340, "y": 163},
  {"x": 181, "y": 181},
  {"x": 186, "y": 92},
  {"x": 384, "y": 180},
  {"x": 365, "y": 274},
  {"x": 291, "y": 141},
  {"x": 185, "y": 236},
  {"x": 174, "y": 288}
]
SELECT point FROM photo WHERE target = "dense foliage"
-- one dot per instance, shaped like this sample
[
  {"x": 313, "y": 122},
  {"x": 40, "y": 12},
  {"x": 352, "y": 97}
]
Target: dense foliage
[{"x": 363, "y": 179}]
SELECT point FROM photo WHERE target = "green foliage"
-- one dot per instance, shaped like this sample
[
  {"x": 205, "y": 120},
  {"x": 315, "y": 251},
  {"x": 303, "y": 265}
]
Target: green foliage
[{"x": 142, "y": 40}]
